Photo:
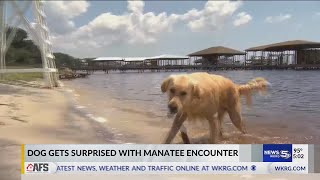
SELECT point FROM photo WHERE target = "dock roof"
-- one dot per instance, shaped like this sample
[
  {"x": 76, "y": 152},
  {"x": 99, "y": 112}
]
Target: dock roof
[
  {"x": 217, "y": 50},
  {"x": 127, "y": 59},
  {"x": 134, "y": 59},
  {"x": 131, "y": 59},
  {"x": 286, "y": 45},
  {"x": 167, "y": 57},
  {"x": 108, "y": 59}
]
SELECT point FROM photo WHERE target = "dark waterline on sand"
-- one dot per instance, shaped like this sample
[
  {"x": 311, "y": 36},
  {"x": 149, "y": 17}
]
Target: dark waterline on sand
[{"x": 289, "y": 112}]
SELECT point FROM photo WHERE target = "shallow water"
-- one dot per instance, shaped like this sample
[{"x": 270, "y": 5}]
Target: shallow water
[{"x": 133, "y": 104}]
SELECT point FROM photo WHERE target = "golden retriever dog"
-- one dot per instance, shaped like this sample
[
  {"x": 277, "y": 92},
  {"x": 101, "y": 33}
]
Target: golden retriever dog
[{"x": 203, "y": 96}]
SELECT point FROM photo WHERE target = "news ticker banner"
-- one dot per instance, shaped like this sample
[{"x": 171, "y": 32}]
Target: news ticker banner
[{"x": 169, "y": 159}]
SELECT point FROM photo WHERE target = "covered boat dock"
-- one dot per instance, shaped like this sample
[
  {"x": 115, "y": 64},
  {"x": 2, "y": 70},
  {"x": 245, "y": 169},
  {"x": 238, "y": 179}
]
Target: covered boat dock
[
  {"x": 162, "y": 62},
  {"x": 218, "y": 56},
  {"x": 288, "y": 54}
]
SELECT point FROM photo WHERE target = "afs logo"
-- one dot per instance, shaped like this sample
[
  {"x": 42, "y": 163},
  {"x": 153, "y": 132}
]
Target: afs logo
[
  {"x": 277, "y": 153},
  {"x": 37, "y": 167}
]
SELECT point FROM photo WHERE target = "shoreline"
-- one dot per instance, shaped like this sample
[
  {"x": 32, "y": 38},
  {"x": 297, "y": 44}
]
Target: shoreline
[
  {"x": 43, "y": 116},
  {"x": 118, "y": 118}
]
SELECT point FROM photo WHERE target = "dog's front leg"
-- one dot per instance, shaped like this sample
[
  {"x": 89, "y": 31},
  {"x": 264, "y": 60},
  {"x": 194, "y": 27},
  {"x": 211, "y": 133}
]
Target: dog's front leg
[
  {"x": 214, "y": 129},
  {"x": 176, "y": 125},
  {"x": 184, "y": 134}
]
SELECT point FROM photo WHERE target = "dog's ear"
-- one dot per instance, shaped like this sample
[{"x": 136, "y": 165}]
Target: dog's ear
[
  {"x": 196, "y": 91},
  {"x": 165, "y": 84}
]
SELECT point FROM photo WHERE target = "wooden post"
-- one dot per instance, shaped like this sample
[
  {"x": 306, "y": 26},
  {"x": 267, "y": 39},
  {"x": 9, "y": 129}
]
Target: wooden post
[{"x": 245, "y": 58}]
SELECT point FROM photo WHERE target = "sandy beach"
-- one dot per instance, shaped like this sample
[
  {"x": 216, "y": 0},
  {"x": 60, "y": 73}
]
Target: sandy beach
[{"x": 32, "y": 116}]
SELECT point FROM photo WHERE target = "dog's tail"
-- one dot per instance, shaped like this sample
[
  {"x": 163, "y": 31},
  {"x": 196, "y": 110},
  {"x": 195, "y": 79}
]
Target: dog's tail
[{"x": 256, "y": 85}]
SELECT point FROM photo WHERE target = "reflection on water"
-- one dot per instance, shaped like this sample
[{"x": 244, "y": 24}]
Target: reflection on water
[{"x": 288, "y": 113}]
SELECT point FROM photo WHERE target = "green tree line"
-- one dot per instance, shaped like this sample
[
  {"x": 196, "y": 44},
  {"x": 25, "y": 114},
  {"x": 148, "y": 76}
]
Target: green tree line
[{"x": 23, "y": 52}]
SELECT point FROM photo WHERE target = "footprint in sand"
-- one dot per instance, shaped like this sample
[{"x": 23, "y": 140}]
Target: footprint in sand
[
  {"x": 15, "y": 108},
  {"x": 18, "y": 119}
]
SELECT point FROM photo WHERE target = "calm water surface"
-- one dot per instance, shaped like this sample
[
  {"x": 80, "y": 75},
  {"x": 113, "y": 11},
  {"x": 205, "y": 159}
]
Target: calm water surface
[{"x": 289, "y": 113}]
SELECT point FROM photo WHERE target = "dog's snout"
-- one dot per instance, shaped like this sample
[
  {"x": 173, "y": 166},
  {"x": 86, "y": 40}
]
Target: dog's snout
[{"x": 173, "y": 108}]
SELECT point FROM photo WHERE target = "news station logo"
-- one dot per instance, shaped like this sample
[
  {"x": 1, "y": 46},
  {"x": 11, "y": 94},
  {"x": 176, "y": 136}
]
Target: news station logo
[
  {"x": 37, "y": 167},
  {"x": 277, "y": 153}
]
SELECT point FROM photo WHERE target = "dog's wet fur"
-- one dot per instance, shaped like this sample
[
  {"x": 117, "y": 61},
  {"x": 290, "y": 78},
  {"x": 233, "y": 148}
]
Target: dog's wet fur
[{"x": 203, "y": 96}]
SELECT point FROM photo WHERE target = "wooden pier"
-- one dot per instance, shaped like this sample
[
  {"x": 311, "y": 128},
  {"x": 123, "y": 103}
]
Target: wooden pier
[
  {"x": 288, "y": 55},
  {"x": 182, "y": 68}
]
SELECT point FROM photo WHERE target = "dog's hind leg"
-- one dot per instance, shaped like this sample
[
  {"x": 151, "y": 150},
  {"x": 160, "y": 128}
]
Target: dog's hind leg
[
  {"x": 184, "y": 134},
  {"x": 214, "y": 129},
  {"x": 221, "y": 114},
  {"x": 235, "y": 116},
  {"x": 177, "y": 123}
]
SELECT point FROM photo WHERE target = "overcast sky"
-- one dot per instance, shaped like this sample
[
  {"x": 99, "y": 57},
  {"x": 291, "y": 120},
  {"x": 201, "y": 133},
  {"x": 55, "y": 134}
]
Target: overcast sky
[{"x": 147, "y": 28}]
